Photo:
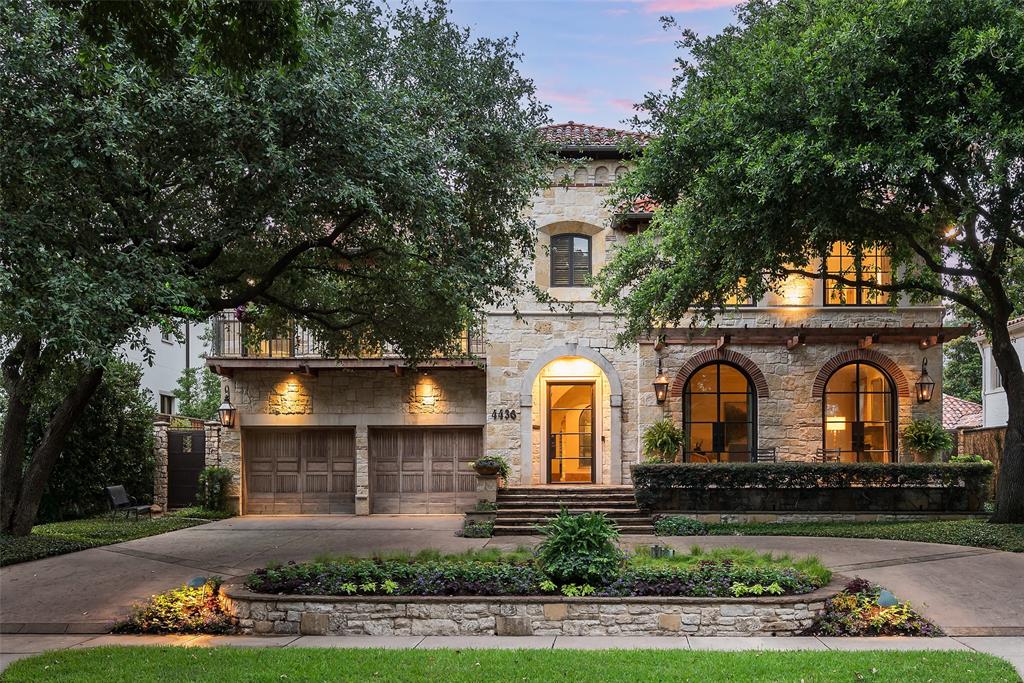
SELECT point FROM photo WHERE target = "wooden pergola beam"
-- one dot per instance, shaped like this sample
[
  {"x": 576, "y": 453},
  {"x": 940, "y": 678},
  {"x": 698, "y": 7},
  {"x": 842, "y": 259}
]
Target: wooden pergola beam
[{"x": 792, "y": 337}]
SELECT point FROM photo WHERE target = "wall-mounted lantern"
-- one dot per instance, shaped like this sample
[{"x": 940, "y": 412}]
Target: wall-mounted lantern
[
  {"x": 227, "y": 412},
  {"x": 660, "y": 385},
  {"x": 925, "y": 385}
]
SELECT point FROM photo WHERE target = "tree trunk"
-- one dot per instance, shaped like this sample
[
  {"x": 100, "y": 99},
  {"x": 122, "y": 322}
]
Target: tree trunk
[
  {"x": 1010, "y": 489},
  {"x": 19, "y": 513},
  {"x": 21, "y": 378}
]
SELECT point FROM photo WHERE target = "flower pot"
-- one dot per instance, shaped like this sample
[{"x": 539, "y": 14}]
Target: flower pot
[{"x": 486, "y": 470}]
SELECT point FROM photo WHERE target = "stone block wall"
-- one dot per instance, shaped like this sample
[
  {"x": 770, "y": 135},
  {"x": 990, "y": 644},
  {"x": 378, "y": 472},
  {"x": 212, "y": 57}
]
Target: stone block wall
[
  {"x": 352, "y": 398},
  {"x": 160, "y": 428},
  {"x": 521, "y": 616}
]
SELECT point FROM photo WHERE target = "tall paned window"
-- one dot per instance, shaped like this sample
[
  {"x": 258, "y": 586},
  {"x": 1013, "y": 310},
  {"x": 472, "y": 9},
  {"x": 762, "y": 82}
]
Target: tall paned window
[
  {"x": 719, "y": 408},
  {"x": 874, "y": 266},
  {"x": 859, "y": 414},
  {"x": 570, "y": 260}
]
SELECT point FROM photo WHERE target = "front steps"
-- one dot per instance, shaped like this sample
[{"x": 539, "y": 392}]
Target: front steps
[{"x": 522, "y": 508}]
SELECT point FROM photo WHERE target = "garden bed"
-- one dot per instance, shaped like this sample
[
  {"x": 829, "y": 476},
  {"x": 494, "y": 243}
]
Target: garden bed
[{"x": 722, "y": 592}]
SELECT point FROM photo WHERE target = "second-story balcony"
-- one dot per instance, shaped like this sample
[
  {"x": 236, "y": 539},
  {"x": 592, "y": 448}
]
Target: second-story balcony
[{"x": 237, "y": 344}]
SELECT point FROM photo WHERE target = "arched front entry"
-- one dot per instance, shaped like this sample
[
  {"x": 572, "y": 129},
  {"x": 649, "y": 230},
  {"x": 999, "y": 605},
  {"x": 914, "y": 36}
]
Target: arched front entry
[
  {"x": 571, "y": 413},
  {"x": 720, "y": 414}
]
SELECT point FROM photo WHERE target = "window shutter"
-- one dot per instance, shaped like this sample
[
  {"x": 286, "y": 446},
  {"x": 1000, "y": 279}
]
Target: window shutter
[{"x": 560, "y": 257}]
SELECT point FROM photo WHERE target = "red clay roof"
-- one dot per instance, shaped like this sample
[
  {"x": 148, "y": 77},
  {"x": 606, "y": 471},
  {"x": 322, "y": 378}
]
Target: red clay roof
[
  {"x": 574, "y": 134},
  {"x": 956, "y": 412}
]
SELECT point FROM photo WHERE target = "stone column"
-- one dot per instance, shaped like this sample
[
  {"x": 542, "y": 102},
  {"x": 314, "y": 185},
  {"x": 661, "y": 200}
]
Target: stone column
[
  {"x": 160, "y": 428},
  {"x": 230, "y": 450},
  {"x": 487, "y": 487},
  {"x": 362, "y": 470},
  {"x": 212, "y": 428}
]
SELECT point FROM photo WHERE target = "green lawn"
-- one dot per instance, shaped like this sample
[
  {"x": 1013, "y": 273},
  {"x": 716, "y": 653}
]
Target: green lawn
[
  {"x": 58, "y": 538},
  {"x": 133, "y": 664},
  {"x": 970, "y": 532}
]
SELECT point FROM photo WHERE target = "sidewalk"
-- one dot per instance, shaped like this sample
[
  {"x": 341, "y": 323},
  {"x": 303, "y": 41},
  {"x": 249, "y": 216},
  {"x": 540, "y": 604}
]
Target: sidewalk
[{"x": 14, "y": 647}]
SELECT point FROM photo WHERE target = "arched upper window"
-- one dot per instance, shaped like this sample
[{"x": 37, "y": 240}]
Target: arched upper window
[
  {"x": 720, "y": 410},
  {"x": 570, "y": 260},
  {"x": 858, "y": 414}
]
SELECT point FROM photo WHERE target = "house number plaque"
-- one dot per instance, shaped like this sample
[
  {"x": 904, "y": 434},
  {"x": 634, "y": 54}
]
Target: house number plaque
[{"x": 504, "y": 414}]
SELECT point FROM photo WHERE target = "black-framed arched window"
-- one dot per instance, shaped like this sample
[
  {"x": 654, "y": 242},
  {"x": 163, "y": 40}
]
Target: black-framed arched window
[
  {"x": 720, "y": 412},
  {"x": 859, "y": 414},
  {"x": 570, "y": 260}
]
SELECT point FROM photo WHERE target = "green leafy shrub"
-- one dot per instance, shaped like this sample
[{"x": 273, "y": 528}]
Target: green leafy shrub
[
  {"x": 199, "y": 512},
  {"x": 214, "y": 486},
  {"x": 502, "y": 465},
  {"x": 485, "y": 506},
  {"x": 112, "y": 443},
  {"x": 926, "y": 437},
  {"x": 662, "y": 441},
  {"x": 478, "y": 529},
  {"x": 967, "y": 458},
  {"x": 579, "y": 548},
  {"x": 676, "y": 525},
  {"x": 855, "y": 612},
  {"x": 189, "y": 609},
  {"x": 198, "y": 393}
]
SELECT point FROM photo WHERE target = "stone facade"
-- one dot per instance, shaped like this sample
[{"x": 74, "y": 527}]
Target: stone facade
[
  {"x": 520, "y": 616},
  {"x": 160, "y": 428},
  {"x": 524, "y": 345}
]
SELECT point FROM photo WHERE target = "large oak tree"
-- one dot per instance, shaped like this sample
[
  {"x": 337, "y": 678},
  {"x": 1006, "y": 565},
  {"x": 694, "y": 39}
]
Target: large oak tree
[
  {"x": 813, "y": 121},
  {"x": 374, "y": 188}
]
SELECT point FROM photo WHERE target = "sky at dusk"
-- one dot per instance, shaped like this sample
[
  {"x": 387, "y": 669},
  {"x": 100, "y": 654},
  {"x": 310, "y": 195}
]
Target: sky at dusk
[{"x": 591, "y": 60}]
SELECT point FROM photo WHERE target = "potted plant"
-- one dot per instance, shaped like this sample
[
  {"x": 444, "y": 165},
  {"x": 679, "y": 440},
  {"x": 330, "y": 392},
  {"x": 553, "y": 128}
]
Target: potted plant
[
  {"x": 491, "y": 465},
  {"x": 926, "y": 439},
  {"x": 662, "y": 441}
]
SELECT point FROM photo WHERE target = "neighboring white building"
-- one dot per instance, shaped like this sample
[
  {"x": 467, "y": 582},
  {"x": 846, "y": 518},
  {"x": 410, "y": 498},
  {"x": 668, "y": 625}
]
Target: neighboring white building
[
  {"x": 171, "y": 354},
  {"x": 993, "y": 396}
]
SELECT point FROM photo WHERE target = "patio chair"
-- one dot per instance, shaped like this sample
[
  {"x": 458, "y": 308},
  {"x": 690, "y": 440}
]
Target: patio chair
[
  {"x": 826, "y": 455},
  {"x": 120, "y": 501},
  {"x": 765, "y": 455}
]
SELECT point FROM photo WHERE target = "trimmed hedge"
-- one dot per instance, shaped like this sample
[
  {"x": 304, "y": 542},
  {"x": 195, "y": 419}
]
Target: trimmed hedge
[{"x": 812, "y": 487}]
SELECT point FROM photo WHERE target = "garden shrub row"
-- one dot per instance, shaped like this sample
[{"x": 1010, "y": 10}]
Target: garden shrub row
[{"x": 813, "y": 487}]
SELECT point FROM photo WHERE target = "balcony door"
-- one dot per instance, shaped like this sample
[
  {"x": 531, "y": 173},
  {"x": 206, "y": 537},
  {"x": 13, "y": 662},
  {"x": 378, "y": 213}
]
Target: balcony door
[
  {"x": 719, "y": 405},
  {"x": 859, "y": 414},
  {"x": 570, "y": 432}
]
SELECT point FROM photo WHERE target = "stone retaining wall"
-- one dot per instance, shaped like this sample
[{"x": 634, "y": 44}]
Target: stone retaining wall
[{"x": 521, "y": 616}]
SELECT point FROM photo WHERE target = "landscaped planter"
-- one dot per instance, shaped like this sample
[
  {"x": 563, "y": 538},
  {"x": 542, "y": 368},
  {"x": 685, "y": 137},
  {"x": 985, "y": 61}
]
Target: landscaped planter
[{"x": 533, "y": 615}]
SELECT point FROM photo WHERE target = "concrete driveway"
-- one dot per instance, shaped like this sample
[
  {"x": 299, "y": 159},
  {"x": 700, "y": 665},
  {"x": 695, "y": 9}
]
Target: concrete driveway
[{"x": 967, "y": 591}]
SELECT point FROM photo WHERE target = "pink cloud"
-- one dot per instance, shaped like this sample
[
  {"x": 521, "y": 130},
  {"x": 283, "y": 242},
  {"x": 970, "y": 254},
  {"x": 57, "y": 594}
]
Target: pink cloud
[
  {"x": 621, "y": 104},
  {"x": 656, "y": 6},
  {"x": 581, "y": 103}
]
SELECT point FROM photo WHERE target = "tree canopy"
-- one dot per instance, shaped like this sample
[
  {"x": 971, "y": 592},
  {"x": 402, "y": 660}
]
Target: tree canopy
[
  {"x": 375, "y": 189},
  {"x": 874, "y": 122}
]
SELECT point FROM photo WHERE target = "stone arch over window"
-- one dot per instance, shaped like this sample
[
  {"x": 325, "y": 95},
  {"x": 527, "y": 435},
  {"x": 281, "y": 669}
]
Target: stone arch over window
[
  {"x": 884, "y": 363},
  {"x": 707, "y": 356},
  {"x": 571, "y": 350},
  {"x": 601, "y": 175},
  {"x": 580, "y": 177},
  {"x": 620, "y": 171},
  {"x": 558, "y": 175},
  {"x": 542, "y": 261}
]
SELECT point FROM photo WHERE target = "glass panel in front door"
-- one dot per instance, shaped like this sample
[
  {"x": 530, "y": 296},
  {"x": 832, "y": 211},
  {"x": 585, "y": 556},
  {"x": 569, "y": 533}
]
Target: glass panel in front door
[{"x": 570, "y": 433}]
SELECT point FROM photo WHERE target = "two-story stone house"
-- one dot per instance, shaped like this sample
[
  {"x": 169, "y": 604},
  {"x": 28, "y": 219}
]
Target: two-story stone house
[{"x": 811, "y": 372}]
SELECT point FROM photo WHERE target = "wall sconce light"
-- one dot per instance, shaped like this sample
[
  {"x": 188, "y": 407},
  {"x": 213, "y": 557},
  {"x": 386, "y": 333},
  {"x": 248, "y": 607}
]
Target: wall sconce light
[
  {"x": 660, "y": 385},
  {"x": 427, "y": 396},
  {"x": 925, "y": 385},
  {"x": 227, "y": 412}
]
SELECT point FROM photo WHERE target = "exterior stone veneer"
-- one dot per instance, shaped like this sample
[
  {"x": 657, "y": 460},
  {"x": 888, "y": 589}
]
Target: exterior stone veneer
[{"x": 521, "y": 616}]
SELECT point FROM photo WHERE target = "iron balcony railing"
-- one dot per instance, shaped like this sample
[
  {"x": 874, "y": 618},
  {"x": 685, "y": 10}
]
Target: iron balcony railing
[{"x": 233, "y": 338}]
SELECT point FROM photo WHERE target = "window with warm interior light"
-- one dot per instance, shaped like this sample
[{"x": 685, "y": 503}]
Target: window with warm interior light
[
  {"x": 874, "y": 266},
  {"x": 719, "y": 408},
  {"x": 570, "y": 260},
  {"x": 858, "y": 412}
]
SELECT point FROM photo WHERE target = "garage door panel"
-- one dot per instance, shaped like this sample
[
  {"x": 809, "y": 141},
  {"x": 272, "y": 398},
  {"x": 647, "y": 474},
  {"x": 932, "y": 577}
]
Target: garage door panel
[
  {"x": 423, "y": 471},
  {"x": 291, "y": 471}
]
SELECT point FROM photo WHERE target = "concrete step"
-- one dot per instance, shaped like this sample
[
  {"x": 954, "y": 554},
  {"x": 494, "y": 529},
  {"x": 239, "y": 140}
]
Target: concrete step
[
  {"x": 575, "y": 504},
  {"x": 537, "y": 510}
]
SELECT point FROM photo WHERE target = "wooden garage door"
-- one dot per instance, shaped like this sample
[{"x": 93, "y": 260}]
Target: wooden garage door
[
  {"x": 299, "y": 471},
  {"x": 423, "y": 471}
]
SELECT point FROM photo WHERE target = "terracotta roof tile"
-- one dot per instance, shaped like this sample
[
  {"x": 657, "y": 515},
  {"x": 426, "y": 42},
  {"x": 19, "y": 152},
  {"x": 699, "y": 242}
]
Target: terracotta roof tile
[
  {"x": 956, "y": 412},
  {"x": 574, "y": 134}
]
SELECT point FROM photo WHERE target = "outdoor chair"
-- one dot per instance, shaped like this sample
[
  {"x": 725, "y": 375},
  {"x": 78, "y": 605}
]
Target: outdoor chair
[
  {"x": 765, "y": 455},
  {"x": 120, "y": 502}
]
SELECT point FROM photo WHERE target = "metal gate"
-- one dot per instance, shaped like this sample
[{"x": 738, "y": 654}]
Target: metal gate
[
  {"x": 423, "y": 471},
  {"x": 186, "y": 458},
  {"x": 299, "y": 471}
]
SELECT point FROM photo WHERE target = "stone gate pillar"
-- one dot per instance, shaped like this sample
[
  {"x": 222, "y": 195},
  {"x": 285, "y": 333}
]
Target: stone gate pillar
[{"x": 160, "y": 428}]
